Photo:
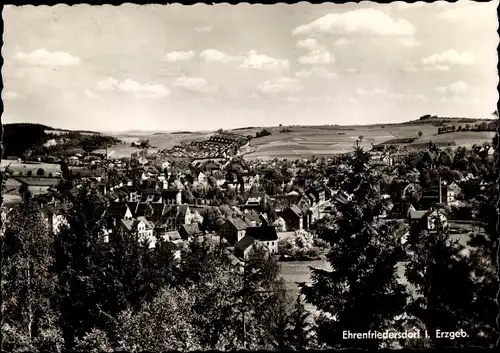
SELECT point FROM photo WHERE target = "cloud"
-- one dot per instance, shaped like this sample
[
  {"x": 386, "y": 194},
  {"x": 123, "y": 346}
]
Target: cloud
[
  {"x": 351, "y": 70},
  {"x": 309, "y": 44},
  {"x": 382, "y": 92},
  {"x": 449, "y": 57},
  {"x": 133, "y": 87},
  {"x": 441, "y": 61},
  {"x": 404, "y": 5},
  {"x": 457, "y": 88},
  {"x": 264, "y": 62},
  {"x": 319, "y": 56},
  {"x": 316, "y": 71},
  {"x": 90, "y": 94},
  {"x": 281, "y": 86},
  {"x": 42, "y": 57},
  {"x": 467, "y": 10},
  {"x": 179, "y": 56},
  {"x": 216, "y": 56},
  {"x": 9, "y": 95},
  {"x": 408, "y": 42},
  {"x": 358, "y": 21},
  {"x": 192, "y": 84},
  {"x": 342, "y": 42},
  {"x": 204, "y": 29}
]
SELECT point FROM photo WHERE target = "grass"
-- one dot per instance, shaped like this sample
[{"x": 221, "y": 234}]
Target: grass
[
  {"x": 308, "y": 141},
  {"x": 159, "y": 141},
  {"x": 20, "y": 167}
]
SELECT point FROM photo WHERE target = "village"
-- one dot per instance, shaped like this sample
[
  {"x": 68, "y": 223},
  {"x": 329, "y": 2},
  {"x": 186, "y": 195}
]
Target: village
[{"x": 187, "y": 192}]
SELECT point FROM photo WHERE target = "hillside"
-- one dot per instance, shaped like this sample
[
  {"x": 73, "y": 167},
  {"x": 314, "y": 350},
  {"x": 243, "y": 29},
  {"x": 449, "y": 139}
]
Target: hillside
[
  {"x": 41, "y": 140},
  {"x": 296, "y": 142}
]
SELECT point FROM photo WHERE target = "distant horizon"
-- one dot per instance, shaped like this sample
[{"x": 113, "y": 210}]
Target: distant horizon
[
  {"x": 174, "y": 67},
  {"x": 132, "y": 131}
]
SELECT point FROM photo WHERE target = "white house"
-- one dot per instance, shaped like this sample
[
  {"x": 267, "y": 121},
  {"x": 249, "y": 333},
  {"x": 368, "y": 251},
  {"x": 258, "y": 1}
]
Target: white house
[{"x": 53, "y": 215}]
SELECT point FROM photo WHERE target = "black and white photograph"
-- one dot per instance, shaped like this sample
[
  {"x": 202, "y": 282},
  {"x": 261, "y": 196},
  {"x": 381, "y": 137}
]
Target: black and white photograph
[{"x": 280, "y": 177}]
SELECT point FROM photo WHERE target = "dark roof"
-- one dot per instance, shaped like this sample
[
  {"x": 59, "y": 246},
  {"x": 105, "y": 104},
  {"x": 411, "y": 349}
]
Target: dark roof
[
  {"x": 266, "y": 233},
  {"x": 178, "y": 211},
  {"x": 252, "y": 217},
  {"x": 244, "y": 243},
  {"x": 191, "y": 229},
  {"x": 117, "y": 210},
  {"x": 238, "y": 223},
  {"x": 295, "y": 209},
  {"x": 57, "y": 208}
]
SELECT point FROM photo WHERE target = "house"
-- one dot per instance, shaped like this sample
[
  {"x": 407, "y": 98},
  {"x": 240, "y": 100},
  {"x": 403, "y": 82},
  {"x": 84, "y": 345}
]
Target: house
[
  {"x": 426, "y": 219},
  {"x": 442, "y": 194},
  {"x": 233, "y": 230},
  {"x": 53, "y": 214},
  {"x": 266, "y": 235},
  {"x": 172, "y": 197},
  {"x": 413, "y": 175},
  {"x": 256, "y": 201},
  {"x": 252, "y": 219},
  {"x": 202, "y": 178},
  {"x": 188, "y": 231},
  {"x": 176, "y": 216},
  {"x": 141, "y": 226},
  {"x": 294, "y": 217},
  {"x": 154, "y": 212},
  {"x": 116, "y": 212},
  {"x": 243, "y": 247},
  {"x": 318, "y": 194}
]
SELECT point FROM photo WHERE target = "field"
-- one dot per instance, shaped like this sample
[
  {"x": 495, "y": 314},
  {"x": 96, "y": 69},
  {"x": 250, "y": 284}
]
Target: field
[
  {"x": 307, "y": 141},
  {"x": 20, "y": 167},
  {"x": 158, "y": 141}
]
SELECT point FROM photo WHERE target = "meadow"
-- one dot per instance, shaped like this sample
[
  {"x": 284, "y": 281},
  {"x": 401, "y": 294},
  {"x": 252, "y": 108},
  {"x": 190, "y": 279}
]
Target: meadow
[
  {"x": 24, "y": 167},
  {"x": 297, "y": 142},
  {"x": 158, "y": 141}
]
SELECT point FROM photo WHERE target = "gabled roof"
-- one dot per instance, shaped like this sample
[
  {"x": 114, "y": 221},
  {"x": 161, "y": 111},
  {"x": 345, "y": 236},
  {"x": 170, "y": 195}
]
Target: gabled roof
[
  {"x": 296, "y": 210},
  {"x": 238, "y": 223},
  {"x": 245, "y": 243},
  {"x": 265, "y": 233},
  {"x": 191, "y": 229},
  {"x": 149, "y": 225}
]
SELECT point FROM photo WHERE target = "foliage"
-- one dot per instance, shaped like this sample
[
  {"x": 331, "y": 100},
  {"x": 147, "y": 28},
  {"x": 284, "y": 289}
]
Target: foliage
[
  {"x": 299, "y": 334},
  {"x": 262, "y": 133},
  {"x": 361, "y": 292},
  {"x": 29, "y": 321},
  {"x": 280, "y": 225}
]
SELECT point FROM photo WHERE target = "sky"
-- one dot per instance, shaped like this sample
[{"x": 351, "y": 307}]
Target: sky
[{"x": 202, "y": 67}]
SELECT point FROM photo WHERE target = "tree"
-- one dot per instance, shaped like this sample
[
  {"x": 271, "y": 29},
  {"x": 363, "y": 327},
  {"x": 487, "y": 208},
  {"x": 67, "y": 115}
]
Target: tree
[
  {"x": 441, "y": 275},
  {"x": 420, "y": 134},
  {"x": 299, "y": 334},
  {"x": 40, "y": 172},
  {"x": 29, "y": 322},
  {"x": 29, "y": 173},
  {"x": 361, "y": 292}
]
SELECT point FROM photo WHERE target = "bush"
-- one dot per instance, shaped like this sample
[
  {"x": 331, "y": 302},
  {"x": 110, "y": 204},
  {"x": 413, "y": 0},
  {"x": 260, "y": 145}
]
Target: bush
[{"x": 40, "y": 172}]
